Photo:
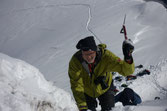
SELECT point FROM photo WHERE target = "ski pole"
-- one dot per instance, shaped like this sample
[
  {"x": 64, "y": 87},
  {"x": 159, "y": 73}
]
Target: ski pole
[{"x": 123, "y": 30}]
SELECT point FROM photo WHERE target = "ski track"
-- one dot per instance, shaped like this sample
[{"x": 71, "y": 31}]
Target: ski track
[{"x": 138, "y": 34}]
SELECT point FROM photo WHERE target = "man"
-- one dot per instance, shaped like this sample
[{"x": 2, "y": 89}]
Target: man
[{"x": 90, "y": 73}]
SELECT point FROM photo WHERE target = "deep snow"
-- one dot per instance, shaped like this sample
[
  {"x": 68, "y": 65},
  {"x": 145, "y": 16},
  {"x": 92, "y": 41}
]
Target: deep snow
[
  {"x": 23, "y": 88},
  {"x": 44, "y": 34}
]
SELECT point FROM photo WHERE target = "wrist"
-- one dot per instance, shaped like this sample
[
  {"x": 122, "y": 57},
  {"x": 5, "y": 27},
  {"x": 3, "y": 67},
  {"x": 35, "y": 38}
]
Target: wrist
[{"x": 129, "y": 59}]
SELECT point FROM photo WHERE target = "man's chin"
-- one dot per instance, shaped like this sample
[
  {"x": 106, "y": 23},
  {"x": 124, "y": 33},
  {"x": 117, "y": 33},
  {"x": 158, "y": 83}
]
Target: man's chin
[{"x": 90, "y": 62}]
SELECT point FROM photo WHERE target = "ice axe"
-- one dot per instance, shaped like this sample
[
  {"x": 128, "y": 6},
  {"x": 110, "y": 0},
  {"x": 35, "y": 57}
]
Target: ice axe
[
  {"x": 123, "y": 30},
  {"x": 127, "y": 41}
]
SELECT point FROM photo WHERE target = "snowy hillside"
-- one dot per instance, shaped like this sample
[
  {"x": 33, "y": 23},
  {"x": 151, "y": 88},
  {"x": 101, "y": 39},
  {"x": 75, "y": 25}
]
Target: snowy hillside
[
  {"x": 23, "y": 88},
  {"x": 44, "y": 33},
  {"x": 149, "y": 87}
]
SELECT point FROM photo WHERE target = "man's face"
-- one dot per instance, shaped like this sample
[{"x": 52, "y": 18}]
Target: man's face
[{"x": 89, "y": 56}]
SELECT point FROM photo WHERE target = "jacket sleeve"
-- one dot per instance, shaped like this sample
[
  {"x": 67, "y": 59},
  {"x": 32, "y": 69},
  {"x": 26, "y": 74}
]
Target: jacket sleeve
[
  {"x": 115, "y": 64},
  {"x": 77, "y": 86}
]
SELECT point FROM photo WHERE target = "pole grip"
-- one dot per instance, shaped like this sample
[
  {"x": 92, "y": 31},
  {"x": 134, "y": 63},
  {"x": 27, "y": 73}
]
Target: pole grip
[{"x": 125, "y": 33}]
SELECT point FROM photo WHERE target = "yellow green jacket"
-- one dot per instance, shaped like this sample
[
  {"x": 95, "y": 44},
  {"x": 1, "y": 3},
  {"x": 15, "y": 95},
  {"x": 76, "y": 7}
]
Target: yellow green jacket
[{"x": 80, "y": 79}]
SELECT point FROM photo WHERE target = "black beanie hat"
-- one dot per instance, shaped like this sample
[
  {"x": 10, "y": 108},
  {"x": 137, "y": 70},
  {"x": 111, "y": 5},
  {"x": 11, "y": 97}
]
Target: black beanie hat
[{"x": 87, "y": 44}]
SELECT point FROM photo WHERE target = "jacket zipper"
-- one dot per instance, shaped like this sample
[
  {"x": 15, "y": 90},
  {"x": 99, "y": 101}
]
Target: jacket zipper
[{"x": 92, "y": 83}]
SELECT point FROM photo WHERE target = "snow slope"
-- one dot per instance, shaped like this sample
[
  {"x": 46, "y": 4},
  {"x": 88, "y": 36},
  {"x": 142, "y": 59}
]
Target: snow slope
[
  {"x": 44, "y": 34},
  {"x": 23, "y": 88},
  {"x": 148, "y": 87}
]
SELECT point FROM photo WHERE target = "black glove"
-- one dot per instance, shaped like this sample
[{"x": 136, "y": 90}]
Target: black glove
[
  {"x": 101, "y": 80},
  {"x": 128, "y": 48}
]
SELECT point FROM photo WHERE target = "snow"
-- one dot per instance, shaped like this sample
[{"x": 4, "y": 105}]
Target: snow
[
  {"x": 44, "y": 34},
  {"x": 23, "y": 88}
]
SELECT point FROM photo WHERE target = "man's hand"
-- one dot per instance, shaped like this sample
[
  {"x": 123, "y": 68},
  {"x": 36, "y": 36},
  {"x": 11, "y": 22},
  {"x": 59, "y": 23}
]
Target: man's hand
[{"x": 128, "y": 48}]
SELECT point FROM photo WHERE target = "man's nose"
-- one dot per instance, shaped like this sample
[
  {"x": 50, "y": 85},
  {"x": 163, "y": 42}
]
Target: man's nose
[{"x": 89, "y": 57}]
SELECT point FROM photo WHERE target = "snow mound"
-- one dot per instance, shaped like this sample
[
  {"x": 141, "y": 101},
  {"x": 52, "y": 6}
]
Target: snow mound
[
  {"x": 158, "y": 105},
  {"x": 151, "y": 87},
  {"x": 23, "y": 88}
]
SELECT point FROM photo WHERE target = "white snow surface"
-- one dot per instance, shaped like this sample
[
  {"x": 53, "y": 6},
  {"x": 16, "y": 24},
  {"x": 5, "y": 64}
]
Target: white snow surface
[
  {"x": 44, "y": 33},
  {"x": 23, "y": 88}
]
